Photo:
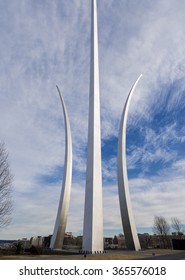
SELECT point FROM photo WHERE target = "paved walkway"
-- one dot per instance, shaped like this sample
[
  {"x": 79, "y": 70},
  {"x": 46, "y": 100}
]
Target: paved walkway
[
  {"x": 172, "y": 256},
  {"x": 109, "y": 255}
]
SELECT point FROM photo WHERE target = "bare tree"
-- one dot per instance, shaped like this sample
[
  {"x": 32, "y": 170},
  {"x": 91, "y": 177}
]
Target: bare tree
[
  {"x": 177, "y": 226},
  {"x": 5, "y": 187},
  {"x": 162, "y": 228}
]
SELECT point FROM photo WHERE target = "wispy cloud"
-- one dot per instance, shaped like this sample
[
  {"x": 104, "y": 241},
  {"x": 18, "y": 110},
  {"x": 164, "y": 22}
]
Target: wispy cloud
[{"x": 159, "y": 195}]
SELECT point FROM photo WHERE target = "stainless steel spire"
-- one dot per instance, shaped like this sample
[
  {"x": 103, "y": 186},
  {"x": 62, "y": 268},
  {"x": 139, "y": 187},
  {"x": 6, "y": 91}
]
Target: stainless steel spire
[
  {"x": 61, "y": 220},
  {"x": 129, "y": 227},
  {"x": 93, "y": 214}
]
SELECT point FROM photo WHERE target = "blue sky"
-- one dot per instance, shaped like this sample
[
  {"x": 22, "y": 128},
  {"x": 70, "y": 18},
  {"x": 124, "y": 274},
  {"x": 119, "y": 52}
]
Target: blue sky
[{"x": 44, "y": 43}]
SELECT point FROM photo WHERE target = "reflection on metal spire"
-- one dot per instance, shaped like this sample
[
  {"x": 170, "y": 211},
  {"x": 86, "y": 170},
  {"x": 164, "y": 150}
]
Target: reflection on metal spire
[
  {"x": 93, "y": 214},
  {"x": 129, "y": 227},
  {"x": 61, "y": 220}
]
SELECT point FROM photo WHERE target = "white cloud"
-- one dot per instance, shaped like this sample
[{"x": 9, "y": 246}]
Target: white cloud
[
  {"x": 159, "y": 195},
  {"x": 156, "y": 146}
]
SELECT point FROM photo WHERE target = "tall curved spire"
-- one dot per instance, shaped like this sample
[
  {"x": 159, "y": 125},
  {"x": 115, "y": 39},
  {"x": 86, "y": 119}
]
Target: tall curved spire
[
  {"x": 61, "y": 219},
  {"x": 129, "y": 227}
]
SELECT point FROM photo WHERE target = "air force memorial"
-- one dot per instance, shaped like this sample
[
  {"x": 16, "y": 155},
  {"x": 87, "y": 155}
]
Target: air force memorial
[{"x": 93, "y": 210}]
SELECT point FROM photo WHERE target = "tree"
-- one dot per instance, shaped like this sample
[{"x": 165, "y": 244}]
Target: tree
[
  {"x": 177, "y": 226},
  {"x": 5, "y": 187},
  {"x": 162, "y": 228}
]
